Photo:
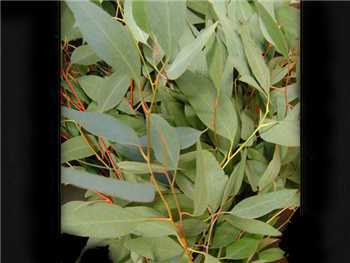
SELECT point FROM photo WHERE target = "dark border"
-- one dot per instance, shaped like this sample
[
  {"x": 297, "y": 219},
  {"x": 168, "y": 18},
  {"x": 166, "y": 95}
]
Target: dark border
[{"x": 30, "y": 131}]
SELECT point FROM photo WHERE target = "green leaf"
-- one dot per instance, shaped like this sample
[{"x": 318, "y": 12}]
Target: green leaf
[
  {"x": 136, "y": 31},
  {"x": 186, "y": 55},
  {"x": 218, "y": 113},
  {"x": 271, "y": 254},
  {"x": 224, "y": 235},
  {"x": 232, "y": 40},
  {"x": 241, "y": 249},
  {"x": 109, "y": 39},
  {"x": 84, "y": 55},
  {"x": 271, "y": 30},
  {"x": 193, "y": 227},
  {"x": 165, "y": 143},
  {"x": 272, "y": 171},
  {"x": 262, "y": 204},
  {"x": 103, "y": 220},
  {"x": 209, "y": 183},
  {"x": 154, "y": 248},
  {"x": 138, "y": 192},
  {"x": 140, "y": 167},
  {"x": 69, "y": 30},
  {"x": 235, "y": 181},
  {"x": 166, "y": 21},
  {"x": 77, "y": 148},
  {"x": 255, "y": 59},
  {"x": 252, "y": 226},
  {"x": 103, "y": 125},
  {"x": 187, "y": 136},
  {"x": 211, "y": 259},
  {"x": 113, "y": 91},
  {"x": 285, "y": 132},
  {"x": 91, "y": 85},
  {"x": 216, "y": 58}
]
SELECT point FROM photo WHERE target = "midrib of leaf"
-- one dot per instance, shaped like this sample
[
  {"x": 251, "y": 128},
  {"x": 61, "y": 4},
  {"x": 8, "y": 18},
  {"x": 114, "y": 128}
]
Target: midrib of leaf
[
  {"x": 168, "y": 27},
  {"x": 112, "y": 44},
  {"x": 111, "y": 93}
]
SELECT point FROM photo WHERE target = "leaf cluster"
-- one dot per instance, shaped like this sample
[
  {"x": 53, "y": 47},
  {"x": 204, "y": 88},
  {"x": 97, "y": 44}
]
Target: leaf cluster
[{"x": 180, "y": 120}]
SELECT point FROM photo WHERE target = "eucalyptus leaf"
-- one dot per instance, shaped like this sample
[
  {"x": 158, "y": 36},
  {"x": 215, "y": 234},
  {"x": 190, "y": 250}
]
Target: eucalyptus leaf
[
  {"x": 84, "y": 55},
  {"x": 109, "y": 39},
  {"x": 262, "y": 204},
  {"x": 139, "y": 192},
  {"x": 103, "y": 125},
  {"x": 189, "y": 52}
]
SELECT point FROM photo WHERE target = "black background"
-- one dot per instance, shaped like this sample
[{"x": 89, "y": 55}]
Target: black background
[{"x": 30, "y": 135}]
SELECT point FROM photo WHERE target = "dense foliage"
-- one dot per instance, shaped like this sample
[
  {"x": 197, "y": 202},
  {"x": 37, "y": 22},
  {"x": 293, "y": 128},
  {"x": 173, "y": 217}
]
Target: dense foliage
[{"x": 180, "y": 119}]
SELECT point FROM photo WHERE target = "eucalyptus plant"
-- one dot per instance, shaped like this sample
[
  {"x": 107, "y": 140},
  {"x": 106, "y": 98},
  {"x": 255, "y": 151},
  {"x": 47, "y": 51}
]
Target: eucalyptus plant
[{"x": 180, "y": 119}]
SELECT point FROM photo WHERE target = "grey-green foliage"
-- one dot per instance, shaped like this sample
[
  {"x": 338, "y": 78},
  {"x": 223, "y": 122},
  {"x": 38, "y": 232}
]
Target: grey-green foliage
[{"x": 180, "y": 119}]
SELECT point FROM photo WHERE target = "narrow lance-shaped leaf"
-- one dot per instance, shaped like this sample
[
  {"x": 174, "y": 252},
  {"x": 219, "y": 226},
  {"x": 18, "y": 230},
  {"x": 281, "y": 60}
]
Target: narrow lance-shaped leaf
[
  {"x": 255, "y": 59},
  {"x": 137, "y": 32},
  {"x": 103, "y": 125},
  {"x": 189, "y": 52},
  {"x": 272, "y": 170},
  {"x": 252, "y": 226},
  {"x": 165, "y": 142},
  {"x": 262, "y": 204},
  {"x": 271, "y": 30},
  {"x": 103, "y": 220},
  {"x": 77, "y": 148},
  {"x": 234, "y": 182},
  {"x": 109, "y": 39},
  {"x": 139, "y": 192}
]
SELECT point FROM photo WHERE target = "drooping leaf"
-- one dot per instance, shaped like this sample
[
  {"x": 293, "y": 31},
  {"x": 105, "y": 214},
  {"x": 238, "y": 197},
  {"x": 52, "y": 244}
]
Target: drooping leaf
[
  {"x": 216, "y": 58},
  {"x": 234, "y": 182},
  {"x": 272, "y": 170},
  {"x": 137, "y": 32},
  {"x": 255, "y": 59},
  {"x": 84, "y": 55},
  {"x": 189, "y": 52},
  {"x": 252, "y": 226},
  {"x": 139, "y": 192},
  {"x": 165, "y": 143},
  {"x": 262, "y": 204},
  {"x": 218, "y": 113},
  {"x": 271, "y": 31},
  {"x": 103, "y": 125},
  {"x": 77, "y": 148},
  {"x": 109, "y": 39}
]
